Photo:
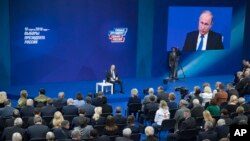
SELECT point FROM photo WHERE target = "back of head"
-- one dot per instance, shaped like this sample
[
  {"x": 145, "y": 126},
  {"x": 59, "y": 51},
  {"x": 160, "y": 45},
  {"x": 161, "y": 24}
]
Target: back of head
[
  {"x": 149, "y": 131},
  {"x": 42, "y": 91},
  {"x": 208, "y": 125},
  {"x": 37, "y": 119},
  {"x": 17, "y": 137},
  {"x": 241, "y": 100},
  {"x": 134, "y": 92},
  {"x": 76, "y": 134},
  {"x": 172, "y": 96},
  {"x": 93, "y": 133},
  {"x": 196, "y": 102},
  {"x": 163, "y": 104},
  {"x": 221, "y": 122},
  {"x": 16, "y": 113},
  {"x": 151, "y": 91},
  {"x": 50, "y": 136},
  {"x": 29, "y": 102},
  {"x": 18, "y": 122},
  {"x": 23, "y": 93},
  {"x": 118, "y": 109},
  {"x": 240, "y": 110},
  {"x": 207, "y": 89},
  {"x": 88, "y": 99},
  {"x": 130, "y": 120},
  {"x": 83, "y": 121},
  {"x": 70, "y": 101},
  {"x": 126, "y": 132}
]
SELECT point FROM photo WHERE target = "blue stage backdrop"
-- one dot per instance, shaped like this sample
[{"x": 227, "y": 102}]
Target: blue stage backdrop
[{"x": 65, "y": 40}]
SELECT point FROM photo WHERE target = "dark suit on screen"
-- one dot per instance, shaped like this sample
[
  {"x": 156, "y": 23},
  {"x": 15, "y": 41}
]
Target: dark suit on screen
[{"x": 214, "y": 41}]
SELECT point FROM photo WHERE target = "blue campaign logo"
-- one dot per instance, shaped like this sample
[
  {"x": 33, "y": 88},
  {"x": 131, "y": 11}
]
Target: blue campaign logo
[{"x": 117, "y": 35}]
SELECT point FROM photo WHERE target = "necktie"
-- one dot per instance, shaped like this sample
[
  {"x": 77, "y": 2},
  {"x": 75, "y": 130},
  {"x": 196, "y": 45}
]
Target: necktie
[
  {"x": 113, "y": 74},
  {"x": 201, "y": 43}
]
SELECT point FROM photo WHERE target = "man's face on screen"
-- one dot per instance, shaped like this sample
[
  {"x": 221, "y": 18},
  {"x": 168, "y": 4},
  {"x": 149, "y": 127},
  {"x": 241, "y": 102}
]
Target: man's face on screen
[{"x": 205, "y": 23}]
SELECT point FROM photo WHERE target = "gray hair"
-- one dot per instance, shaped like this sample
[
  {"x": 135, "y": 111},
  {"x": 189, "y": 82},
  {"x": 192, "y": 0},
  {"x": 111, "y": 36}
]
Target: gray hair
[
  {"x": 17, "y": 137},
  {"x": 18, "y": 122},
  {"x": 221, "y": 122},
  {"x": 126, "y": 132},
  {"x": 75, "y": 133},
  {"x": 50, "y": 136},
  {"x": 149, "y": 130},
  {"x": 29, "y": 102}
]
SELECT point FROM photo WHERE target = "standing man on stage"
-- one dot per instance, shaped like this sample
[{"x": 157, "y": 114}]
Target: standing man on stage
[
  {"x": 173, "y": 60},
  {"x": 112, "y": 77}
]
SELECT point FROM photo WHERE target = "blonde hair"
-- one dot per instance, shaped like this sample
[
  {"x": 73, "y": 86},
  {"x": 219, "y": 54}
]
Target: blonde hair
[
  {"x": 23, "y": 93},
  {"x": 233, "y": 99},
  {"x": 97, "y": 114},
  {"x": 149, "y": 131},
  {"x": 207, "y": 116},
  {"x": 163, "y": 104},
  {"x": 3, "y": 96},
  {"x": 207, "y": 89},
  {"x": 134, "y": 92},
  {"x": 57, "y": 120}
]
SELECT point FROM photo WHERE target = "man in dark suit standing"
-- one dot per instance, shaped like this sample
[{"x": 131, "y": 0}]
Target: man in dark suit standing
[
  {"x": 112, "y": 77},
  {"x": 204, "y": 38},
  {"x": 173, "y": 61}
]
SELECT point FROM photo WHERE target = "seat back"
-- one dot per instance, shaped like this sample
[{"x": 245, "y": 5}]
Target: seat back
[
  {"x": 99, "y": 128},
  {"x": 134, "y": 107},
  {"x": 188, "y": 135}
]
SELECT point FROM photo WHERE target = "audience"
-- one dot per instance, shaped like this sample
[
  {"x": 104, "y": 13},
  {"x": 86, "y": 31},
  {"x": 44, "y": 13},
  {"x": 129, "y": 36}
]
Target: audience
[
  {"x": 97, "y": 119},
  {"x": 172, "y": 103},
  {"x": 161, "y": 114},
  {"x": 126, "y": 132},
  {"x": 78, "y": 102},
  {"x": 149, "y": 131},
  {"x": 17, "y": 137},
  {"x": 88, "y": 106},
  {"x": 84, "y": 128},
  {"x": 41, "y": 99},
  {"x": 111, "y": 127},
  {"x": 50, "y": 136},
  {"x": 133, "y": 99},
  {"x": 22, "y": 100}
]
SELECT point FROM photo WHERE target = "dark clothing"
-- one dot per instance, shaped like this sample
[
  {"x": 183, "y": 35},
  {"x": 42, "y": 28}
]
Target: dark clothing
[
  {"x": 134, "y": 100},
  {"x": 222, "y": 131},
  {"x": 173, "y": 60},
  {"x": 214, "y": 41},
  {"x": 100, "y": 121},
  {"x": 172, "y": 105},
  {"x": 110, "y": 78},
  {"x": 89, "y": 108},
  {"x": 197, "y": 111},
  {"x": 37, "y": 131},
  {"x": 232, "y": 92},
  {"x": 188, "y": 123},
  {"x": 210, "y": 134},
  {"x": 70, "y": 110},
  {"x": 7, "y": 133},
  {"x": 27, "y": 111},
  {"x": 133, "y": 128},
  {"x": 106, "y": 108},
  {"x": 101, "y": 138},
  {"x": 122, "y": 139},
  {"x": 6, "y": 112},
  {"x": 62, "y": 133},
  {"x": 162, "y": 96},
  {"x": 97, "y": 101},
  {"x": 227, "y": 119},
  {"x": 119, "y": 119},
  {"x": 59, "y": 103},
  {"x": 48, "y": 110}
]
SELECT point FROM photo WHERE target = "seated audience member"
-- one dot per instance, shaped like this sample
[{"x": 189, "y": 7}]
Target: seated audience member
[
  {"x": 221, "y": 95},
  {"x": 207, "y": 95},
  {"x": 10, "y": 121},
  {"x": 172, "y": 104},
  {"x": 161, "y": 114},
  {"x": 146, "y": 98},
  {"x": 3, "y": 97},
  {"x": 7, "y": 132},
  {"x": 149, "y": 131},
  {"x": 49, "y": 109},
  {"x": 196, "y": 95},
  {"x": 50, "y": 136},
  {"x": 78, "y": 102},
  {"x": 28, "y": 110},
  {"x": 75, "y": 120},
  {"x": 63, "y": 132},
  {"x": 213, "y": 108},
  {"x": 232, "y": 104},
  {"x": 119, "y": 119},
  {"x": 106, "y": 108},
  {"x": 111, "y": 127},
  {"x": 7, "y": 110},
  {"x": 76, "y": 135},
  {"x": 22, "y": 100},
  {"x": 197, "y": 109},
  {"x": 94, "y": 136},
  {"x": 60, "y": 101},
  {"x": 240, "y": 118},
  {"x": 188, "y": 123},
  {"x": 209, "y": 132},
  {"x": 37, "y": 111},
  {"x": 97, "y": 119},
  {"x": 231, "y": 91},
  {"x": 242, "y": 102},
  {"x": 17, "y": 137},
  {"x": 133, "y": 99},
  {"x": 57, "y": 120},
  {"x": 41, "y": 99},
  {"x": 38, "y": 130},
  {"x": 208, "y": 117},
  {"x": 243, "y": 86},
  {"x": 131, "y": 124},
  {"x": 225, "y": 116},
  {"x": 84, "y": 128},
  {"x": 97, "y": 101},
  {"x": 222, "y": 129},
  {"x": 161, "y": 94},
  {"x": 179, "y": 114},
  {"x": 88, "y": 106},
  {"x": 70, "y": 109},
  {"x": 126, "y": 135}
]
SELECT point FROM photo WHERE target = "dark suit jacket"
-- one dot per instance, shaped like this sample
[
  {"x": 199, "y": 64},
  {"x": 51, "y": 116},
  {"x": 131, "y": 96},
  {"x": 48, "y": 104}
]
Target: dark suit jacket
[
  {"x": 214, "y": 41},
  {"x": 119, "y": 119},
  {"x": 122, "y": 139},
  {"x": 134, "y": 100},
  {"x": 188, "y": 123},
  {"x": 70, "y": 110},
  {"x": 222, "y": 131},
  {"x": 27, "y": 111},
  {"x": 106, "y": 108},
  {"x": 89, "y": 108},
  {"x": 7, "y": 133},
  {"x": 37, "y": 131},
  {"x": 48, "y": 110},
  {"x": 210, "y": 134},
  {"x": 101, "y": 138},
  {"x": 109, "y": 75},
  {"x": 6, "y": 112},
  {"x": 197, "y": 111}
]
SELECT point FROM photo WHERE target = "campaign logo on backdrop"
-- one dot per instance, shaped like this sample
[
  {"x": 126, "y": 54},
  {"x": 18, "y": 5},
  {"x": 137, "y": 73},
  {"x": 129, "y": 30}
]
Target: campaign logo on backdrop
[
  {"x": 33, "y": 35},
  {"x": 117, "y": 35},
  {"x": 239, "y": 132}
]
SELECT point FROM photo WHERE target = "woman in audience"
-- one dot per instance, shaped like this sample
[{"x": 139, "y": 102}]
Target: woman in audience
[
  {"x": 133, "y": 99},
  {"x": 208, "y": 117},
  {"x": 224, "y": 115},
  {"x": 111, "y": 128},
  {"x": 213, "y": 108},
  {"x": 149, "y": 131},
  {"x": 172, "y": 104},
  {"x": 232, "y": 104},
  {"x": 131, "y": 124},
  {"x": 22, "y": 100},
  {"x": 3, "y": 98},
  {"x": 161, "y": 114},
  {"x": 57, "y": 120},
  {"x": 206, "y": 95},
  {"x": 97, "y": 119},
  {"x": 83, "y": 127},
  {"x": 78, "y": 102}
]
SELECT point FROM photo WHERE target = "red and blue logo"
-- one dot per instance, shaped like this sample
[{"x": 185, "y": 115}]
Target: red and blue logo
[{"x": 117, "y": 35}]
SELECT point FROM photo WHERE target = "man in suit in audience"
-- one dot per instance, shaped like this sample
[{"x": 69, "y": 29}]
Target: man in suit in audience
[
  {"x": 70, "y": 109},
  {"x": 146, "y": 98},
  {"x": 94, "y": 136},
  {"x": 28, "y": 110},
  {"x": 113, "y": 77},
  {"x": 63, "y": 132},
  {"x": 221, "y": 95},
  {"x": 106, "y": 108},
  {"x": 231, "y": 91},
  {"x": 209, "y": 133},
  {"x": 7, "y": 133},
  {"x": 75, "y": 121},
  {"x": 161, "y": 94},
  {"x": 60, "y": 101},
  {"x": 89, "y": 108},
  {"x": 49, "y": 109},
  {"x": 119, "y": 119},
  {"x": 197, "y": 109},
  {"x": 7, "y": 110},
  {"x": 209, "y": 40},
  {"x": 97, "y": 101},
  {"x": 38, "y": 130},
  {"x": 222, "y": 129},
  {"x": 126, "y": 135}
]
